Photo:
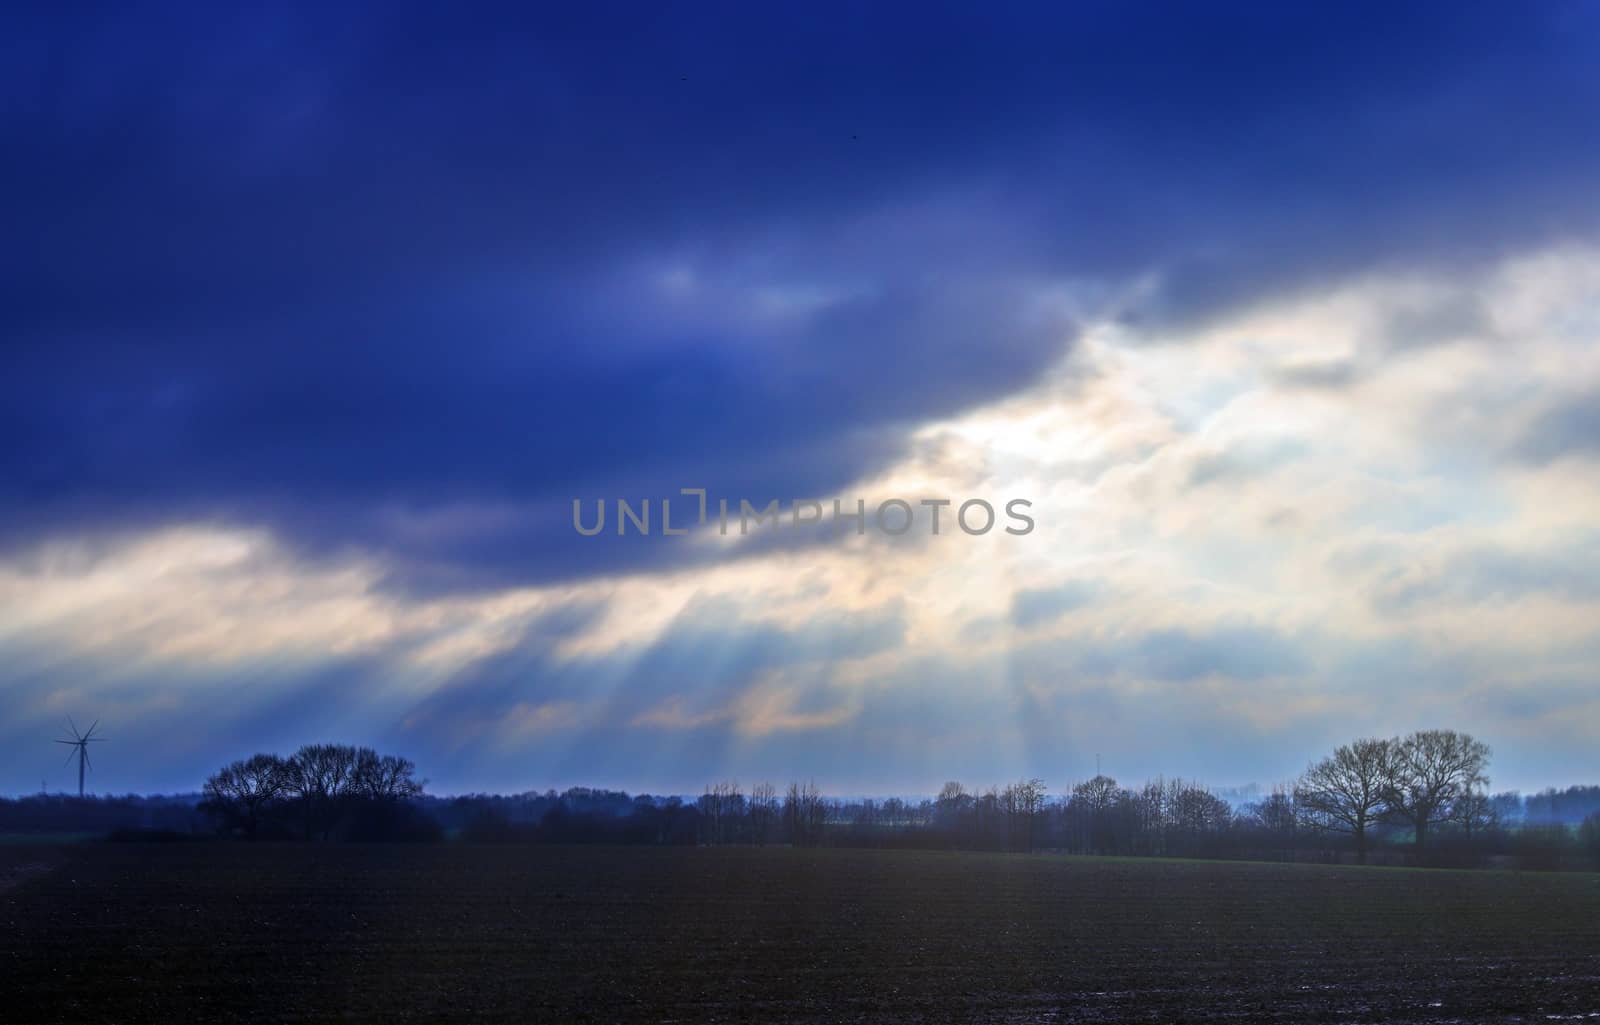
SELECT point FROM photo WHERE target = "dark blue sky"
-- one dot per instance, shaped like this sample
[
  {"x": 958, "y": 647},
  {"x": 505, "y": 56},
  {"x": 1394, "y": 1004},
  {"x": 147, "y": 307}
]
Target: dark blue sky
[{"x": 386, "y": 286}]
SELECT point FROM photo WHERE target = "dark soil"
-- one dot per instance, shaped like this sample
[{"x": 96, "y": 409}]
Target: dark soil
[{"x": 214, "y": 932}]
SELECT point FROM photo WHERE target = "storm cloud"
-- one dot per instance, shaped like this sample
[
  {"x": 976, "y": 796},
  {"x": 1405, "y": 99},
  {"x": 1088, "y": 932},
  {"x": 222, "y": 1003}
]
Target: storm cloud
[
  {"x": 386, "y": 276},
  {"x": 314, "y": 320}
]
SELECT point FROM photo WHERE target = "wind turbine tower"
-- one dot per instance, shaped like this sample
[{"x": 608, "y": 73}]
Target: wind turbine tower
[{"x": 81, "y": 742}]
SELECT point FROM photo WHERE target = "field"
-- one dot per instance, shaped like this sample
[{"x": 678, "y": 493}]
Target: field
[{"x": 167, "y": 933}]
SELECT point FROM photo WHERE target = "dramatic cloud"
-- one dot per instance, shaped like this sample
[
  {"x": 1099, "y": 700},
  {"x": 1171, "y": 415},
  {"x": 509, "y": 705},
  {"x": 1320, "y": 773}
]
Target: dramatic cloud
[
  {"x": 387, "y": 278},
  {"x": 317, "y": 320}
]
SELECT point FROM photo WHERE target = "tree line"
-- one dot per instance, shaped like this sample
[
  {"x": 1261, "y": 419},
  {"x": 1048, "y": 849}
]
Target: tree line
[{"x": 1419, "y": 798}]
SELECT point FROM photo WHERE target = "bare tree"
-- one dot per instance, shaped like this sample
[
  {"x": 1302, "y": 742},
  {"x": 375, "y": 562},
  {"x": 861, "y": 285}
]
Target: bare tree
[
  {"x": 1278, "y": 816},
  {"x": 1427, "y": 772},
  {"x": 1197, "y": 817},
  {"x": 319, "y": 778},
  {"x": 1347, "y": 791},
  {"x": 804, "y": 813},
  {"x": 763, "y": 812},
  {"x": 951, "y": 808},
  {"x": 816, "y": 812},
  {"x": 710, "y": 808},
  {"x": 1022, "y": 801},
  {"x": 1097, "y": 794},
  {"x": 952, "y": 796},
  {"x": 1474, "y": 813},
  {"x": 321, "y": 785},
  {"x": 1093, "y": 802},
  {"x": 241, "y": 793},
  {"x": 1149, "y": 816},
  {"x": 722, "y": 811},
  {"x": 383, "y": 778}
]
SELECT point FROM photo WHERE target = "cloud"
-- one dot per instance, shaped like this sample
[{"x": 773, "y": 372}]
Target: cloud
[
  {"x": 1332, "y": 375},
  {"x": 316, "y": 325},
  {"x": 1571, "y": 427},
  {"x": 1241, "y": 654},
  {"x": 1034, "y": 607},
  {"x": 1448, "y": 319},
  {"x": 1497, "y": 574},
  {"x": 313, "y": 276},
  {"x": 1243, "y": 462}
]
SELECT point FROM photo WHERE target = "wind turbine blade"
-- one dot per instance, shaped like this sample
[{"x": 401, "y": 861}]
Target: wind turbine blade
[
  {"x": 93, "y": 728},
  {"x": 69, "y": 757},
  {"x": 86, "y": 760},
  {"x": 73, "y": 725},
  {"x": 69, "y": 743}
]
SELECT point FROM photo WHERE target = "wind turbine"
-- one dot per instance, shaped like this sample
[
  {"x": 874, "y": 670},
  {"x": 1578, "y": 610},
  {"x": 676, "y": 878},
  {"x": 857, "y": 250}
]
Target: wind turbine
[{"x": 81, "y": 742}]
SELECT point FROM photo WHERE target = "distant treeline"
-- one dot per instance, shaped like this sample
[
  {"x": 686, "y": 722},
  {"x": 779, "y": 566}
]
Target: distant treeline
[
  {"x": 60, "y": 813},
  {"x": 1548, "y": 807},
  {"x": 1418, "y": 799}
]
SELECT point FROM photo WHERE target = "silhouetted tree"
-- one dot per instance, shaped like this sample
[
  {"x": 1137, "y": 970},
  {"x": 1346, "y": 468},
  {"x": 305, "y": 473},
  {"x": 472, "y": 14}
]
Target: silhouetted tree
[
  {"x": 1278, "y": 819},
  {"x": 1474, "y": 813},
  {"x": 1022, "y": 802},
  {"x": 241, "y": 794},
  {"x": 1093, "y": 800},
  {"x": 722, "y": 813},
  {"x": 1427, "y": 772},
  {"x": 320, "y": 776},
  {"x": 804, "y": 813},
  {"x": 1347, "y": 791},
  {"x": 320, "y": 786},
  {"x": 763, "y": 812},
  {"x": 383, "y": 778},
  {"x": 1197, "y": 819}
]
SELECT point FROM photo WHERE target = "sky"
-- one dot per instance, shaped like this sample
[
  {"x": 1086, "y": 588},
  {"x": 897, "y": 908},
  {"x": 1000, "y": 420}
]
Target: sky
[{"x": 315, "y": 321}]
